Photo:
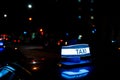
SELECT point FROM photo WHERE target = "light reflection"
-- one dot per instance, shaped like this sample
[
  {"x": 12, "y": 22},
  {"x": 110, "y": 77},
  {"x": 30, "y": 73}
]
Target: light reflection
[
  {"x": 76, "y": 63},
  {"x": 75, "y": 73}
]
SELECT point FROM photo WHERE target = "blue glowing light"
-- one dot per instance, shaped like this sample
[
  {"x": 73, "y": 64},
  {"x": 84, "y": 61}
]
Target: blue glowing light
[
  {"x": 75, "y": 63},
  {"x": 93, "y": 31},
  {"x": 25, "y": 32},
  {"x": 1, "y": 49},
  {"x": 5, "y": 70},
  {"x": 67, "y": 34},
  {"x": 1, "y": 43},
  {"x": 75, "y": 73}
]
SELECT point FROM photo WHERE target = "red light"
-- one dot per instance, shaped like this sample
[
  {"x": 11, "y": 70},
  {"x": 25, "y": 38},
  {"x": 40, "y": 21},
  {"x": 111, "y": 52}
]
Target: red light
[
  {"x": 18, "y": 41},
  {"x": 61, "y": 40},
  {"x": 6, "y": 39},
  {"x": 14, "y": 41},
  {"x": 42, "y": 33},
  {"x": 58, "y": 43},
  {"x": 42, "y": 59}
]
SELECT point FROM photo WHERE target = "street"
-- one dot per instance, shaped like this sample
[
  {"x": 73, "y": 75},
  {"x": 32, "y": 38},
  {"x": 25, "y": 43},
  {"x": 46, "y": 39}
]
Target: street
[{"x": 49, "y": 63}]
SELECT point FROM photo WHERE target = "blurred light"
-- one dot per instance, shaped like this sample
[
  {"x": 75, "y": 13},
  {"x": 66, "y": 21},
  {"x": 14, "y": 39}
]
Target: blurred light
[
  {"x": 60, "y": 65},
  {"x": 93, "y": 31},
  {"x": 30, "y": 18},
  {"x": 33, "y": 35},
  {"x": 18, "y": 41},
  {"x": 92, "y": 17},
  {"x": 74, "y": 74},
  {"x": 5, "y": 15},
  {"x": 16, "y": 48},
  {"x": 79, "y": 37},
  {"x": 42, "y": 59},
  {"x": 79, "y": 17},
  {"x": 119, "y": 48},
  {"x": 113, "y": 41},
  {"x": 61, "y": 40},
  {"x": 93, "y": 25},
  {"x": 5, "y": 70},
  {"x": 67, "y": 34},
  {"x": 14, "y": 41},
  {"x": 35, "y": 68},
  {"x": 1, "y": 49},
  {"x": 66, "y": 43},
  {"x": 34, "y": 62},
  {"x": 42, "y": 33},
  {"x": 58, "y": 43},
  {"x": 0, "y": 39},
  {"x": 6, "y": 39},
  {"x": 4, "y": 46},
  {"x": 91, "y": 9},
  {"x": 29, "y": 6},
  {"x": 92, "y": 1},
  {"x": 41, "y": 30},
  {"x": 79, "y": 0},
  {"x": 1, "y": 43},
  {"x": 24, "y": 32}
]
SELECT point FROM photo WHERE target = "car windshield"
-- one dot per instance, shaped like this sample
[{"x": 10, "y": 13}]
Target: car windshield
[{"x": 58, "y": 40}]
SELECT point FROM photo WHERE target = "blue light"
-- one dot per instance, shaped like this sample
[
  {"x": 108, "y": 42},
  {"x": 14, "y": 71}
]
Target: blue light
[
  {"x": 25, "y": 32},
  {"x": 75, "y": 73},
  {"x": 1, "y": 43},
  {"x": 93, "y": 31},
  {"x": 79, "y": 17},
  {"x": 67, "y": 34},
  {"x": 1, "y": 49},
  {"x": 5, "y": 70},
  {"x": 76, "y": 63}
]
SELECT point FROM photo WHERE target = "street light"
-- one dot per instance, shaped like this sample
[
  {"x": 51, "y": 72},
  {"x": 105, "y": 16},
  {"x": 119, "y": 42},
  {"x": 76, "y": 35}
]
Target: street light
[
  {"x": 5, "y": 15},
  {"x": 30, "y": 18},
  {"x": 29, "y": 6}
]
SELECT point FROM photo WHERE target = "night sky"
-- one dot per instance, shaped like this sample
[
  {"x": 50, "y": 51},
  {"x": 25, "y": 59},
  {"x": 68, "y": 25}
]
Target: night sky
[{"x": 45, "y": 13}]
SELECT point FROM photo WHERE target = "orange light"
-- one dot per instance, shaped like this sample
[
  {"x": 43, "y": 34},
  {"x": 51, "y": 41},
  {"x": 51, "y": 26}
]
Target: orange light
[
  {"x": 35, "y": 68},
  {"x": 30, "y": 19},
  {"x": 118, "y": 48},
  {"x": 41, "y": 30}
]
